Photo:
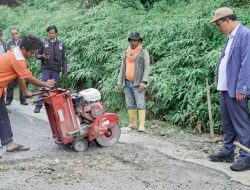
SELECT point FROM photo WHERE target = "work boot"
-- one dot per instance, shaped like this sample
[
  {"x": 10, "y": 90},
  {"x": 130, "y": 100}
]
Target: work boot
[
  {"x": 37, "y": 110},
  {"x": 24, "y": 102},
  {"x": 142, "y": 115},
  {"x": 222, "y": 157},
  {"x": 240, "y": 166},
  {"x": 132, "y": 114}
]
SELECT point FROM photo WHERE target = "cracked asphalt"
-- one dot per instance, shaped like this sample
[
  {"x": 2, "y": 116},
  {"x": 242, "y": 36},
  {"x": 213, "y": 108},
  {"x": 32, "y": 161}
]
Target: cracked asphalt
[{"x": 139, "y": 161}]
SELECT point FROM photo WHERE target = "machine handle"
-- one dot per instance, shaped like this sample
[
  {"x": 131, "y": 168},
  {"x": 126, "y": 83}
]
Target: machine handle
[
  {"x": 36, "y": 93},
  {"x": 38, "y": 100},
  {"x": 42, "y": 91}
]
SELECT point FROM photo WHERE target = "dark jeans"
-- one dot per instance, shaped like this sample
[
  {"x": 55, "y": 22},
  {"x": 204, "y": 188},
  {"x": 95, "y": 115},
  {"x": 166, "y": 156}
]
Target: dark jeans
[
  {"x": 5, "y": 128},
  {"x": 47, "y": 75},
  {"x": 236, "y": 124},
  {"x": 10, "y": 92}
]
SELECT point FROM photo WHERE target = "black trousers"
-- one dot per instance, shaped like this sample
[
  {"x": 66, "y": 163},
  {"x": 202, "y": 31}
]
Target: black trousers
[
  {"x": 10, "y": 92},
  {"x": 5, "y": 128}
]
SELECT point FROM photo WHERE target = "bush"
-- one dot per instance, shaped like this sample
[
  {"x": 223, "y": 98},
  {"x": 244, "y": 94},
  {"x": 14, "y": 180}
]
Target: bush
[{"x": 182, "y": 43}]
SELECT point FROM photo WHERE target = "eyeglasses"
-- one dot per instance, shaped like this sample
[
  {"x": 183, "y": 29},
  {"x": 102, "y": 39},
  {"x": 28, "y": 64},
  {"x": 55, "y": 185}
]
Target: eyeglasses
[
  {"x": 14, "y": 33},
  {"x": 219, "y": 23}
]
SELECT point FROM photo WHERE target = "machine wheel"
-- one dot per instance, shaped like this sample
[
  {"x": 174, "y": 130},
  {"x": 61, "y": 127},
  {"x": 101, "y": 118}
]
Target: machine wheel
[
  {"x": 80, "y": 144},
  {"x": 111, "y": 137}
]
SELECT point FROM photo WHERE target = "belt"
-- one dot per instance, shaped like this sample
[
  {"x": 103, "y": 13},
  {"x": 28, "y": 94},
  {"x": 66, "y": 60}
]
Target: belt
[{"x": 130, "y": 81}]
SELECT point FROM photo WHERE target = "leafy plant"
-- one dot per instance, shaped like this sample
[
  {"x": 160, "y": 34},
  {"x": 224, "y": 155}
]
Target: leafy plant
[{"x": 183, "y": 45}]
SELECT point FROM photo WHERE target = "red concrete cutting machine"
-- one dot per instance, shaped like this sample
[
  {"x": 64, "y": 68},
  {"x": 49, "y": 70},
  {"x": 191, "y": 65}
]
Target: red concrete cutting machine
[{"x": 79, "y": 118}]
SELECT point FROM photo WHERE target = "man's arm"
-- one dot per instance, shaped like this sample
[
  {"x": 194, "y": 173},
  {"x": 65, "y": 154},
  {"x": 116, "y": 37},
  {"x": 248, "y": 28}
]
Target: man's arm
[
  {"x": 34, "y": 81},
  {"x": 22, "y": 85},
  {"x": 146, "y": 66},
  {"x": 243, "y": 83},
  {"x": 5, "y": 46},
  {"x": 39, "y": 83},
  {"x": 8, "y": 45},
  {"x": 39, "y": 55},
  {"x": 122, "y": 69},
  {"x": 64, "y": 62},
  {"x": 121, "y": 73}
]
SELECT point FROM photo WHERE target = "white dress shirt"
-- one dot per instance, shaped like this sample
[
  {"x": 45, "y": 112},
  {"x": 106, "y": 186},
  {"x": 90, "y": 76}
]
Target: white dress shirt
[{"x": 222, "y": 73}]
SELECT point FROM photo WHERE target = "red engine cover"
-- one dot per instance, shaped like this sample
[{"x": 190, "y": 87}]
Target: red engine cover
[{"x": 92, "y": 110}]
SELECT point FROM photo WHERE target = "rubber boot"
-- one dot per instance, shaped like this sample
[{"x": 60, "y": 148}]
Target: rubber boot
[
  {"x": 132, "y": 114},
  {"x": 142, "y": 115}
]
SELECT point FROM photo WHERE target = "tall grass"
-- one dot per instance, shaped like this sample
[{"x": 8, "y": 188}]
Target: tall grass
[{"x": 182, "y": 43}]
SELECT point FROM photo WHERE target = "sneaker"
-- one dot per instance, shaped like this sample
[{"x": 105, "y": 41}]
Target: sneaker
[
  {"x": 221, "y": 157},
  {"x": 240, "y": 166},
  {"x": 37, "y": 110}
]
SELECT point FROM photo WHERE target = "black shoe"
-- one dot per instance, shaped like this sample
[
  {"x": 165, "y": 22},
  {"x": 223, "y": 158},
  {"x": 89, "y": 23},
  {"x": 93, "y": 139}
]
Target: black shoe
[
  {"x": 37, "y": 110},
  {"x": 8, "y": 102},
  {"x": 221, "y": 157},
  {"x": 240, "y": 166},
  {"x": 24, "y": 102}
]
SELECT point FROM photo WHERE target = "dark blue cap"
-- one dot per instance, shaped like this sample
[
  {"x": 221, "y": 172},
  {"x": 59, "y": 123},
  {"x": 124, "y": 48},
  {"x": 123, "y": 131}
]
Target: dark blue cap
[{"x": 134, "y": 36}]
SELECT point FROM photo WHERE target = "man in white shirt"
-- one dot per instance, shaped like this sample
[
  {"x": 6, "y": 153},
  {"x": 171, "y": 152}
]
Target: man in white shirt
[{"x": 233, "y": 83}]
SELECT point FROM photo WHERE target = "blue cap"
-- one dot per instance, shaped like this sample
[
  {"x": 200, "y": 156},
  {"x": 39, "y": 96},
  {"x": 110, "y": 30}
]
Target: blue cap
[{"x": 134, "y": 36}]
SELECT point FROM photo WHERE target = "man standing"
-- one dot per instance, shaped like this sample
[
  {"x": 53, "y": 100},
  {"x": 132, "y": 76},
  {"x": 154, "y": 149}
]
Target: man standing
[
  {"x": 53, "y": 59},
  {"x": 2, "y": 43},
  {"x": 12, "y": 66},
  {"x": 134, "y": 76},
  {"x": 13, "y": 43},
  {"x": 233, "y": 82}
]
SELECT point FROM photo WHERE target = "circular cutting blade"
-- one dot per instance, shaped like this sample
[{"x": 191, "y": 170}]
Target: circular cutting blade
[{"x": 111, "y": 137}]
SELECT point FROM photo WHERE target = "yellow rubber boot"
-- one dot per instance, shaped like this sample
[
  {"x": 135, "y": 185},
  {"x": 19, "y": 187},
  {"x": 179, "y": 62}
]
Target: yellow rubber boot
[
  {"x": 132, "y": 114},
  {"x": 142, "y": 116}
]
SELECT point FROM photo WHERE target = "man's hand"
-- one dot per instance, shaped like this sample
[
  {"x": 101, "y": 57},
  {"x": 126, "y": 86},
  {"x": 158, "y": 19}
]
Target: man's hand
[
  {"x": 240, "y": 97},
  {"x": 46, "y": 56},
  {"x": 118, "y": 88},
  {"x": 141, "y": 88},
  {"x": 28, "y": 95},
  {"x": 51, "y": 83},
  {"x": 64, "y": 72}
]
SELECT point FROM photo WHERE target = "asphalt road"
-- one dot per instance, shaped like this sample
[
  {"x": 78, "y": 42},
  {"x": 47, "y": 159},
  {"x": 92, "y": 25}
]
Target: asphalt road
[{"x": 137, "y": 162}]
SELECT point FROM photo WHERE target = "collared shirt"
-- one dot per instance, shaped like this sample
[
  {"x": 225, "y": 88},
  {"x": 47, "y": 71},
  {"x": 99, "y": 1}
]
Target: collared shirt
[
  {"x": 12, "y": 65},
  {"x": 13, "y": 44},
  {"x": 54, "y": 40},
  {"x": 222, "y": 73}
]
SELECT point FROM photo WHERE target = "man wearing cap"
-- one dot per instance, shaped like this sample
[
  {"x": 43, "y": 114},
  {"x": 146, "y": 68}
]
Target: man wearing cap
[
  {"x": 2, "y": 43},
  {"x": 133, "y": 75},
  {"x": 233, "y": 83}
]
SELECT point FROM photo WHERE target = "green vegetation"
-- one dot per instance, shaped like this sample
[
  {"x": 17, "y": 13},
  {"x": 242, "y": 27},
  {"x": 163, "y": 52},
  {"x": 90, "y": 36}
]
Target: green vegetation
[{"x": 184, "y": 48}]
